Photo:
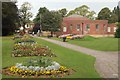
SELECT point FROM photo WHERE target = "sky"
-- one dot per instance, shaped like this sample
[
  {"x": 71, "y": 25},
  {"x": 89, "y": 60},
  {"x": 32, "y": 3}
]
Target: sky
[{"x": 95, "y": 5}]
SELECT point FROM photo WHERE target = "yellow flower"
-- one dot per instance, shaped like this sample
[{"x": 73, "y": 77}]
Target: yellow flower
[
  {"x": 62, "y": 68},
  {"x": 47, "y": 72}
]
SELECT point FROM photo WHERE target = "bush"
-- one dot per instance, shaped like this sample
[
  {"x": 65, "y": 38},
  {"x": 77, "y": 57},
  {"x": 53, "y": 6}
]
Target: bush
[{"x": 117, "y": 33}]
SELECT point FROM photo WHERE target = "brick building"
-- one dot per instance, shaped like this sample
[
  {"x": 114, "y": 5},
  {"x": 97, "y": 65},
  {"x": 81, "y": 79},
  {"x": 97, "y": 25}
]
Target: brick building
[{"x": 76, "y": 24}]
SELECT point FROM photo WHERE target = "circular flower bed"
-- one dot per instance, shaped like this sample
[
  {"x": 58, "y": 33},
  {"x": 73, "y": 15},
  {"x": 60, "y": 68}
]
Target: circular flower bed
[{"x": 52, "y": 69}]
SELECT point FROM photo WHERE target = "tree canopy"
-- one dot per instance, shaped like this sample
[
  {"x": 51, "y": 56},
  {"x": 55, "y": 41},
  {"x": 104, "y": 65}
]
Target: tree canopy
[
  {"x": 63, "y": 12},
  {"x": 25, "y": 14},
  {"x": 83, "y": 10},
  {"x": 39, "y": 15},
  {"x": 9, "y": 18},
  {"x": 106, "y": 14},
  {"x": 51, "y": 21},
  {"x": 116, "y": 12}
]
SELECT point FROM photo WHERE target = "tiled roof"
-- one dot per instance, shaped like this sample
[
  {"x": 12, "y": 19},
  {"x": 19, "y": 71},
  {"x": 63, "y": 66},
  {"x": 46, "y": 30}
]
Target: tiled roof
[{"x": 75, "y": 17}]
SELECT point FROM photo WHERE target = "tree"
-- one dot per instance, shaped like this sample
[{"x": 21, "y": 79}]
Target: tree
[
  {"x": 51, "y": 21},
  {"x": 113, "y": 18},
  {"x": 9, "y": 18},
  {"x": 104, "y": 14},
  {"x": 63, "y": 12},
  {"x": 117, "y": 33},
  {"x": 116, "y": 11},
  {"x": 83, "y": 10},
  {"x": 41, "y": 11},
  {"x": 25, "y": 14}
]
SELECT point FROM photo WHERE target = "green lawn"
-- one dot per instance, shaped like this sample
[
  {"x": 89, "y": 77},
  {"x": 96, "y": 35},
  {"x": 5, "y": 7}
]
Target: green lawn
[
  {"x": 83, "y": 64},
  {"x": 102, "y": 44}
]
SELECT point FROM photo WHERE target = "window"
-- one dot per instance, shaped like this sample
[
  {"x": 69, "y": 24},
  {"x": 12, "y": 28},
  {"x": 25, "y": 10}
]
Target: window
[
  {"x": 104, "y": 27},
  {"x": 78, "y": 27},
  {"x": 64, "y": 29},
  {"x": 87, "y": 27},
  {"x": 109, "y": 29},
  {"x": 97, "y": 27},
  {"x": 115, "y": 29},
  {"x": 71, "y": 27}
]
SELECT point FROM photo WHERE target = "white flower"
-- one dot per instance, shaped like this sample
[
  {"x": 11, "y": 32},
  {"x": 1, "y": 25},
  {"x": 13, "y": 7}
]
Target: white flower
[
  {"x": 18, "y": 65},
  {"x": 56, "y": 65},
  {"x": 41, "y": 68},
  {"x": 36, "y": 68},
  {"x": 31, "y": 67}
]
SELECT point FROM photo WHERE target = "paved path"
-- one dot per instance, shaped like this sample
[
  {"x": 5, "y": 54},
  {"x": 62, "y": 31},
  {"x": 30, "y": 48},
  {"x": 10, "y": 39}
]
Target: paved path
[{"x": 106, "y": 62}]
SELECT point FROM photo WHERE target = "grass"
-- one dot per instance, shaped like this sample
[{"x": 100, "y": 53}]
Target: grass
[
  {"x": 101, "y": 44},
  {"x": 83, "y": 64}
]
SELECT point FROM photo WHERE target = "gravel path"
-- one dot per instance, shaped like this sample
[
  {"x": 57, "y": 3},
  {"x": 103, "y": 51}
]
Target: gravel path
[{"x": 106, "y": 62}]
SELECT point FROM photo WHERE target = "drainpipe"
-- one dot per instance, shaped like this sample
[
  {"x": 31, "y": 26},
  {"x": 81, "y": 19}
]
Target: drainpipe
[{"x": 82, "y": 29}]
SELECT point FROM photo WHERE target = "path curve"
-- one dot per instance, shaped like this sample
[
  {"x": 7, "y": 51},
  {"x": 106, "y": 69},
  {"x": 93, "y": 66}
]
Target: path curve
[{"x": 106, "y": 62}]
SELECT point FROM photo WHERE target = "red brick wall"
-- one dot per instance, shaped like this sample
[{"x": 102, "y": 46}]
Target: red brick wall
[
  {"x": 111, "y": 28},
  {"x": 92, "y": 23}
]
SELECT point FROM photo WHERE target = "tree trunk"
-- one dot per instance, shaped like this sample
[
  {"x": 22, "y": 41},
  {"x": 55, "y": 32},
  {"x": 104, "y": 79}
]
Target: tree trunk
[{"x": 24, "y": 28}]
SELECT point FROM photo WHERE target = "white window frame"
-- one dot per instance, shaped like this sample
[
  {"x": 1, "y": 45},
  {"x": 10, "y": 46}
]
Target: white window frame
[
  {"x": 115, "y": 29},
  {"x": 78, "y": 29},
  {"x": 87, "y": 27},
  {"x": 64, "y": 29},
  {"x": 109, "y": 29}
]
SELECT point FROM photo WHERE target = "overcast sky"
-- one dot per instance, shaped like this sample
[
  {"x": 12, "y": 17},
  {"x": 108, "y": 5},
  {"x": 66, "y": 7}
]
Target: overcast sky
[{"x": 95, "y": 5}]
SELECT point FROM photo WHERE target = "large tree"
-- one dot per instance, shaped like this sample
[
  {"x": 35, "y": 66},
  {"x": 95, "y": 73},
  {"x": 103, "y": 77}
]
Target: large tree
[
  {"x": 51, "y": 21},
  {"x": 116, "y": 11},
  {"x": 9, "y": 18},
  {"x": 63, "y": 12},
  {"x": 25, "y": 14},
  {"x": 83, "y": 10},
  {"x": 41, "y": 11},
  {"x": 106, "y": 14}
]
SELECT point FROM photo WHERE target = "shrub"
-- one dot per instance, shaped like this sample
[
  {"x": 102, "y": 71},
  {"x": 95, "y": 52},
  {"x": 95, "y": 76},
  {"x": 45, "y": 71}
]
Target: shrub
[{"x": 117, "y": 33}]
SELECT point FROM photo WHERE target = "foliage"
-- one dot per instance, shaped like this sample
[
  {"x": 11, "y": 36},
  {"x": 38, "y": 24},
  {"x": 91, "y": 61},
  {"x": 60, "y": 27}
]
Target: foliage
[
  {"x": 106, "y": 14},
  {"x": 83, "y": 10},
  {"x": 9, "y": 18},
  {"x": 41, "y": 11},
  {"x": 116, "y": 11},
  {"x": 63, "y": 12},
  {"x": 117, "y": 33},
  {"x": 42, "y": 62},
  {"x": 24, "y": 38},
  {"x": 51, "y": 21},
  {"x": 25, "y": 14}
]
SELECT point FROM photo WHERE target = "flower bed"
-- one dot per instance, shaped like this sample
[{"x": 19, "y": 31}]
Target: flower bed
[
  {"x": 28, "y": 49},
  {"x": 37, "y": 68}
]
